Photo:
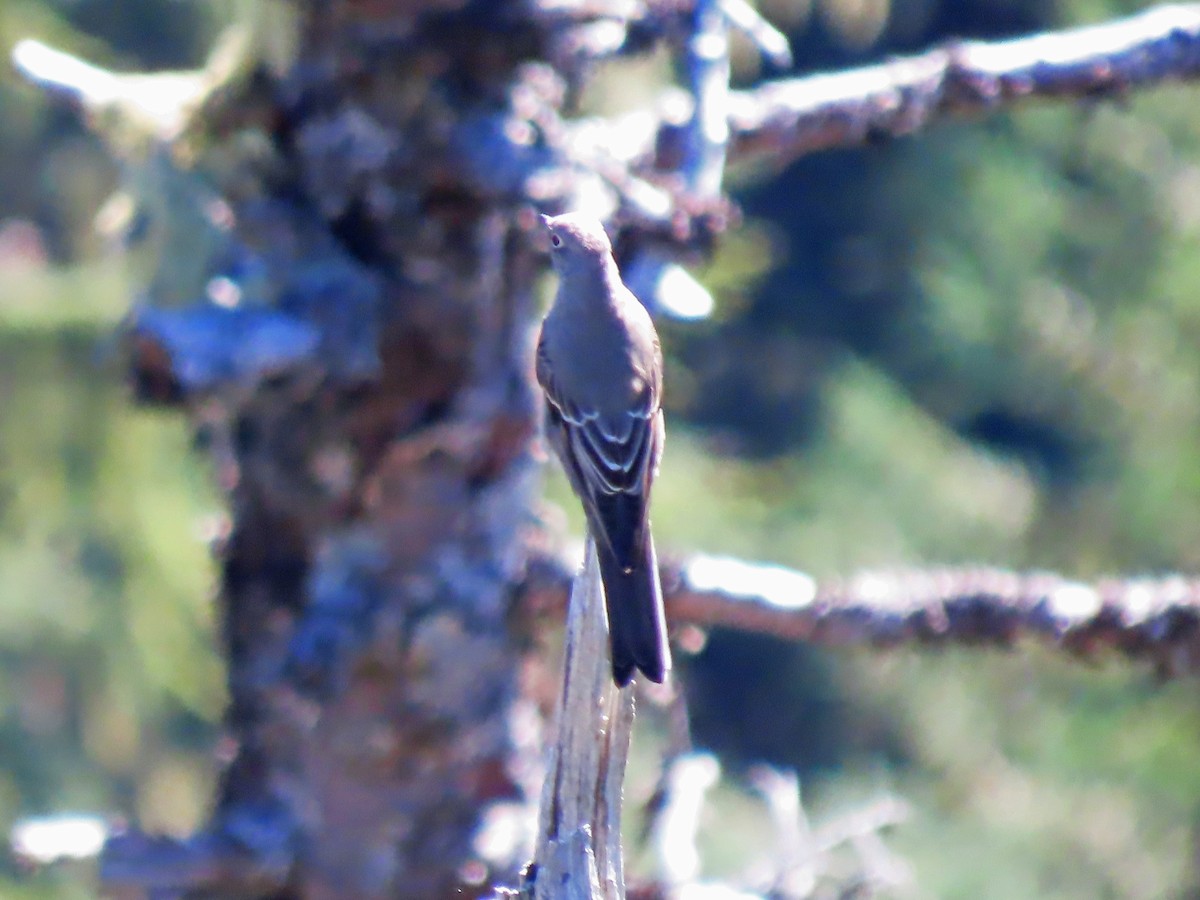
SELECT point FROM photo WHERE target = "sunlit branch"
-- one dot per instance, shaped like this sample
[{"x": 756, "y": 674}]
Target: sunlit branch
[
  {"x": 652, "y": 275},
  {"x": 779, "y": 121},
  {"x": 782, "y": 120},
  {"x": 1152, "y": 619}
]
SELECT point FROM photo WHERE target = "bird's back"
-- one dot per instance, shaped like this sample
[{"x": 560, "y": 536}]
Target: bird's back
[{"x": 618, "y": 366}]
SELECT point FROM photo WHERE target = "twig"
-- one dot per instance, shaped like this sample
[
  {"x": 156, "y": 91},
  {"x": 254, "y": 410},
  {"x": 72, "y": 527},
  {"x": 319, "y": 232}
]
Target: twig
[
  {"x": 797, "y": 865},
  {"x": 870, "y": 820},
  {"x": 708, "y": 69},
  {"x": 771, "y": 42},
  {"x": 160, "y": 103},
  {"x": 653, "y": 276},
  {"x": 686, "y": 783},
  {"x": 803, "y": 855}
]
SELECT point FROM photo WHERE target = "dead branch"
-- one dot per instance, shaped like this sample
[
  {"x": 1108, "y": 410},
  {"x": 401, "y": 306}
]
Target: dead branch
[
  {"x": 579, "y": 823},
  {"x": 1152, "y": 619},
  {"x": 780, "y": 121}
]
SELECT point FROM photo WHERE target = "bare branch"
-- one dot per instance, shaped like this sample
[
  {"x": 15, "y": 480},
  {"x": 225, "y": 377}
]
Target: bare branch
[
  {"x": 1154, "y": 619},
  {"x": 655, "y": 156},
  {"x": 676, "y": 821},
  {"x": 135, "y": 864},
  {"x": 786, "y": 119},
  {"x": 803, "y": 855},
  {"x": 771, "y": 42},
  {"x": 159, "y": 103}
]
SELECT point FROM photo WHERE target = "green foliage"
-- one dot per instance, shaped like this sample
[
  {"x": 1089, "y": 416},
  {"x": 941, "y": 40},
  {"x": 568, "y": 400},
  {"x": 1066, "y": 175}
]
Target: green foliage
[{"x": 110, "y": 686}]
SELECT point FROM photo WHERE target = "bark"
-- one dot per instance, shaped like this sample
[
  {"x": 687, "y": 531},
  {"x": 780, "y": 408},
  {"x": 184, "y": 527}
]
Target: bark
[
  {"x": 579, "y": 830},
  {"x": 354, "y": 355}
]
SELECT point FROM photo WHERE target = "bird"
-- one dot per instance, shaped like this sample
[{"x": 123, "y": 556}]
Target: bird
[{"x": 600, "y": 365}]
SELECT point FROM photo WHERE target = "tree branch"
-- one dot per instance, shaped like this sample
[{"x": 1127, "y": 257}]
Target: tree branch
[
  {"x": 135, "y": 864},
  {"x": 1153, "y": 619},
  {"x": 783, "y": 120},
  {"x": 578, "y": 852},
  {"x": 650, "y": 159}
]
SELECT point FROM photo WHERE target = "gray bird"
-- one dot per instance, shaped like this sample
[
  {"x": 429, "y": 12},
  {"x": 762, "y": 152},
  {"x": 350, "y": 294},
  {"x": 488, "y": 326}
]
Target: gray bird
[{"x": 599, "y": 362}]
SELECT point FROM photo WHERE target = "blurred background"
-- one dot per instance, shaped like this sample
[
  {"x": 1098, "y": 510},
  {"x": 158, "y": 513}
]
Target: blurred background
[{"x": 978, "y": 344}]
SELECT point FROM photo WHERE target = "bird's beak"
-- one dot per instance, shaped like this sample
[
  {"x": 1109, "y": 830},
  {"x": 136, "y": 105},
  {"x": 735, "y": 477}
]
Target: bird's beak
[{"x": 546, "y": 220}]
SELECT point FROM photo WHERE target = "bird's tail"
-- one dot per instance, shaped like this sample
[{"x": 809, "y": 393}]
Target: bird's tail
[{"x": 637, "y": 627}]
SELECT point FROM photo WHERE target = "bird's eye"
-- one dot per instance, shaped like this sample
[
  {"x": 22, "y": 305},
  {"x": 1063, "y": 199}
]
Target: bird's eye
[{"x": 555, "y": 240}]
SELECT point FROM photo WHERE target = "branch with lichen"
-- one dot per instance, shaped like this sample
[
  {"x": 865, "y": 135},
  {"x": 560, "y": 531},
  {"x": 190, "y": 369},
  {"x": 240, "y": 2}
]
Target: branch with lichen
[
  {"x": 780, "y": 121},
  {"x": 1155, "y": 620}
]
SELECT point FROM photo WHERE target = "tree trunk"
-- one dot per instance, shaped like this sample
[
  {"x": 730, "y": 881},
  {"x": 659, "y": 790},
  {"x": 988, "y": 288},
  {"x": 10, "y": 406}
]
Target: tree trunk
[{"x": 359, "y": 371}]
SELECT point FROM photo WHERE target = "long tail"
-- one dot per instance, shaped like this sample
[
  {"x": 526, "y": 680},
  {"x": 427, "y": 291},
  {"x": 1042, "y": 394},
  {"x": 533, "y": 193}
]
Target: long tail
[{"x": 637, "y": 627}]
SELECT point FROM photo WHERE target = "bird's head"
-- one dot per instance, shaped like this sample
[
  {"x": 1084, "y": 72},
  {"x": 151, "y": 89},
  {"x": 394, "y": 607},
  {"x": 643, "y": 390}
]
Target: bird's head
[{"x": 577, "y": 240}]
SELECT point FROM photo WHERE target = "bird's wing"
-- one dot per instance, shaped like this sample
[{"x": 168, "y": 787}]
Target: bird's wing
[
  {"x": 614, "y": 452},
  {"x": 609, "y": 459}
]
